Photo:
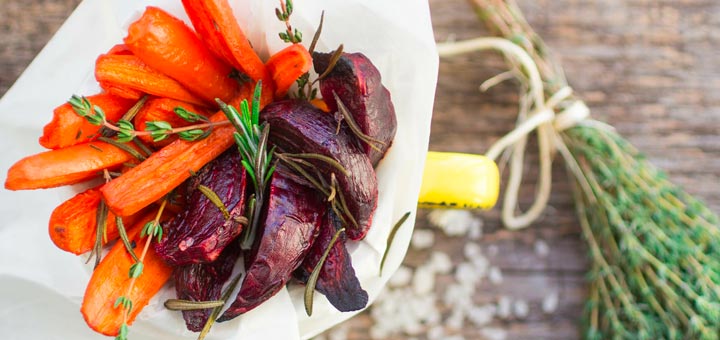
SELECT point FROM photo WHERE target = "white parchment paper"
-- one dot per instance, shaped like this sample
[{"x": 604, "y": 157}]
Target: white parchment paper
[{"x": 41, "y": 287}]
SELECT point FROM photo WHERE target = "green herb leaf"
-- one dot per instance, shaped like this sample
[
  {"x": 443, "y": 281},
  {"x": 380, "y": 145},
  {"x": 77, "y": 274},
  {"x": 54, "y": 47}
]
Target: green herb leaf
[
  {"x": 312, "y": 280},
  {"x": 391, "y": 238},
  {"x": 136, "y": 270}
]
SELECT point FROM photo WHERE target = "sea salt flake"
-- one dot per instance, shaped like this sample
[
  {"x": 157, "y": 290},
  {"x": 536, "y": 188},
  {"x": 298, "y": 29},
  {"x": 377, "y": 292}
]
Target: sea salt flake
[
  {"x": 472, "y": 250},
  {"x": 550, "y": 303},
  {"x": 401, "y": 277},
  {"x": 467, "y": 275},
  {"x": 422, "y": 239},
  {"x": 424, "y": 280},
  {"x": 521, "y": 309},
  {"x": 453, "y": 222},
  {"x": 440, "y": 262},
  {"x": 436, "y": 333},
  {"x": 495, "y": 275},
  {"x": 541, "y": 248},
  {"x": 504, "y": 307},
  {"x": 493, "y": 333},
  {"x": 481, "y": 315}
]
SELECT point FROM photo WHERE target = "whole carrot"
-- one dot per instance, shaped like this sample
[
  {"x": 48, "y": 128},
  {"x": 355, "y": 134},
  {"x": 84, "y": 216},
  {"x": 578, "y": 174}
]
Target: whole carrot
[
  {"x": 110, "y": 280},
  {"x": 67, "y": 128},
  {"x": 287, "y": 65},
  {"x": 126, "y": 75},
  {"x": 65, "y": 166},
  {"x": 73, "y": 223},
  {"x": 166, "y": 44},
  {"x": 215, "y": 23}
]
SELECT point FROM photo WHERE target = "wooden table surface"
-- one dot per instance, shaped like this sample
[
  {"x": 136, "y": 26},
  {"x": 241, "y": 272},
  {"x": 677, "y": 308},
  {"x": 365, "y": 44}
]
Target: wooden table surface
[{"x": 650, "y": 68}]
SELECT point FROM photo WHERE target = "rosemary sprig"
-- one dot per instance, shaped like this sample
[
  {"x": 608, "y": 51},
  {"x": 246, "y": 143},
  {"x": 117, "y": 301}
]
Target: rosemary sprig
[
  {"x": 315, "y": 275},
  {"x": 391, "y": 238},
  {"x": 124, "y": 130},
  {"x": 283, "y": 14},
  {"x": 151, "y": 230},
  {"x": 251, "y": 138}
]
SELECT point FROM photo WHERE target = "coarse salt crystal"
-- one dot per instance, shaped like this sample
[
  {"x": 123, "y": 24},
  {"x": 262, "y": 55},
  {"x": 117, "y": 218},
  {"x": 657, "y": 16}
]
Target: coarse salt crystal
[
  {"x": 541, "y": 248},
  {"x": 472, "y": 250},
  {"x": 441, "y": 262},
  {"x": 436, "y": 333},
  {"x": 339, "y": 333},
  {"x": 467, "y": 275},
  {"x": 481, "y": 315},
  {"x": 492, "y": 250},
  {"x": 422, "y": 239},
  {"x": 402, "y": 277},
  {"x": 453, "y": 222},
  {"x": 424, "y": 280},
  {"x": 521, "y": 309},
  {"x": 504, "y": 307},
  {"x": 455, "y": 337},
  {"x": 550, "y": 303},
  {"x": 456, "y": 319},
  {"x": 493, "y": 333},
  {"x": 495, "y": 275}
]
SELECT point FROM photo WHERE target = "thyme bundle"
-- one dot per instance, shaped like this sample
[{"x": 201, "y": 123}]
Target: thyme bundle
[{"x": 654, "y": 248}]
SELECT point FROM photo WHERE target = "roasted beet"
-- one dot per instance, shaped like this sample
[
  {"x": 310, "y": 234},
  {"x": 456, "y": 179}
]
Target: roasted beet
[
  {"x": 359, "y": 86},
  {"x": 292, "y": 217},
  {"x": 200, "y": 232},
  {"x": 298, "y": 127},
  {"x": 337, "y": 280},
  {"x": 203, "y": 282}
]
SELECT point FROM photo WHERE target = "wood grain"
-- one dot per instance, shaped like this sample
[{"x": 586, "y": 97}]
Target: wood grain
[{"x": 650, "y": 68}]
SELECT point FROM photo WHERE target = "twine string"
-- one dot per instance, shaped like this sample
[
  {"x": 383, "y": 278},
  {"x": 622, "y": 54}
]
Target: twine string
[{"x": 547, "y": 119}]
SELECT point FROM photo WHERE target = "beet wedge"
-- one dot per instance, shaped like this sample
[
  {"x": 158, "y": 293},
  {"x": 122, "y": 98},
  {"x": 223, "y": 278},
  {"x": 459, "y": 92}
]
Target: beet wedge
[
  {"x": 201, "y": 231},
  {"x": 203, "y": 282},
  {"x": 299, "y": 127},
  {"x": 337, "y": 280},
  {"x": 292, "y": 217},
  {"x": 358, "y": 85}
]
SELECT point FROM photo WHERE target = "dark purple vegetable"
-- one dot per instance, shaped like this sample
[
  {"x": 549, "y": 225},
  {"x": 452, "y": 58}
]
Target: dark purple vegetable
[
  {"x": 200, "y": 232},
  {"x": 299, "y": 127},
  {"x": 359, "y": 86},
  {"x": 292, "y": 217},
  {"x": 203, "y": 282},
  {"x": 337, "y": 280}
]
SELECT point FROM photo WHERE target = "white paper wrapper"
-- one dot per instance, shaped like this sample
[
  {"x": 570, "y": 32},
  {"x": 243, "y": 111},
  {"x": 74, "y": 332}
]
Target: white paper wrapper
[{"x": 41, "y": 287}]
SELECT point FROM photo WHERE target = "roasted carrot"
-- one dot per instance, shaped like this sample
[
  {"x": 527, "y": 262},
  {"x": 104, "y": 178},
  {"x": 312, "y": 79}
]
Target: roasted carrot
[
  {"x": 320, "y": 104},
  {"x": 120, "y": 90},
  {"x": 166, "y": 44},
  {"x": 65, "y": 166},
  {"x": 215, "y": 23},
  {"x": 126, "y": 75},
  {"x": 169, "y": 167},
  {"x": 287, "y": 65},
  {"x": 73, "y": 223},
  {"x": 110, "y": 280},
  {"x": 161, "y": 109},
  {"x": 68, "y": 128}
]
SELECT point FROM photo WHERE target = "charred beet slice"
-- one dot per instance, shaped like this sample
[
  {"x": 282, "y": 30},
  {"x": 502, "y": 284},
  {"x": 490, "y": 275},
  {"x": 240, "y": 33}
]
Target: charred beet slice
[
  {"x": 203, "y": 282},
  {"x": 292, "y": 217},
  {"x": 200, "y": 232},
  {"x": 298, "y": 127},
  {"x": 337, "y": 280},
  {"x": 359, "y": 86}
]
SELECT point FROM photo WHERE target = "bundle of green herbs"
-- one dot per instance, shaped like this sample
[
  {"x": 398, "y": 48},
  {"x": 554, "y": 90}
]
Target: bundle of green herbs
[{"x": 654, "y": 249}]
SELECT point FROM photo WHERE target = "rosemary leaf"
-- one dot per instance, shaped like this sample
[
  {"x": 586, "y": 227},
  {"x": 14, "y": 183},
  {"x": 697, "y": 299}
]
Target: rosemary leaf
[
  {"x": 391, "y": 238},
  {"x": 312, "y": 280},
  {"x": 124, "y": 238},
  {"x": 183, "y": 305},
  {"x": 215, "y": 199}
]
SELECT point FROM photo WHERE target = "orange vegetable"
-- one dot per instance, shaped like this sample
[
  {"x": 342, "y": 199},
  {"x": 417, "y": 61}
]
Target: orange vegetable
[
  {"x": 166, "y": 169},
  {"x": 287, "y": 65},
  {"x": 320, "y": 104},
  {"x": 127, "y": 76},
  {"x": 110, "y": 280},
  {"x": 73, "y": 223},
  {"x": 161, "y": 109},
  {"x": 67, "y": 128},
  {"x": 166, "y": 44},
  {"x": 215, "y": 23},
  {"x": 64, "y": 166}
]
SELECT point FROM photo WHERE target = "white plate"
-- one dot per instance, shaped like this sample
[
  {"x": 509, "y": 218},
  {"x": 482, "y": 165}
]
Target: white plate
[{"x": 41, "y": 287}]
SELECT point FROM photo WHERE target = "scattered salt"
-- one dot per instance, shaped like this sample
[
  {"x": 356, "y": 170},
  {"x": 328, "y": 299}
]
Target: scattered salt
[
  {"x": 495, "y": 275},
  {"x": 550, "y": 303},
  {"x": 541, "y": 248},
  {"x": 424, "y": 280},
  {"x": 422, "y": 239},
  {"x": 436, "y": 333},
  {"x": 339, "y": 333},
  {"x": 521, "y": 309},
  {"x": 493, "y": 333},
  {"x": 454, "y": 222},
  {"x": 456, "y": 320},
  {"x": 402, "y": 277},
  {"x": 467, "y": 275},
  {"x": 492, "y": 250},
  {"x": 472, "y": 250},
  {"x": 455, "y": 337},
  {"x": 481, "y": 315},
  {"x": 441, "y": 262},
  {"x": 504, "y": 307}
]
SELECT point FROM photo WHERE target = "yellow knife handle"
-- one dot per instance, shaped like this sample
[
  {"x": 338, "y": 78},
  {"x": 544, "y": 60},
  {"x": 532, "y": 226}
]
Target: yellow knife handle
[{"x": 460, "y": 181}]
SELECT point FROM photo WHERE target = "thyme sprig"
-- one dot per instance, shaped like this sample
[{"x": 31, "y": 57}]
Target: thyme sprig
[
  {"x": 150, "y": 231},
  {"x": 251, "y": 138},
  {"x": 283, "y": 14},
  {"x": 125, "y": 131}
]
